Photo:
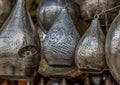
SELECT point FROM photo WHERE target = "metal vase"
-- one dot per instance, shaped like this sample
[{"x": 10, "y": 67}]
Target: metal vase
[
  {"x": 19, "y": 45},
  {"x": 113, "y": 48},
  {"x": 49, "y": 10},
  {"x": 50, "y": 71},
  {"x": 60, "y": 42},
  {"x": 89, "y": 8},
  {"x": 90, "y": 52}
]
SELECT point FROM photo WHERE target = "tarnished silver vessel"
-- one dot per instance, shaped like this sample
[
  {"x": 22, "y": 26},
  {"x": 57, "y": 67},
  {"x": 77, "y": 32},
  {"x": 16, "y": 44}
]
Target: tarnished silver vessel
[
  {"x": 5, "y": 9},
  {"x": 113, "y": 48},
  {"x": 61, "y": 40},
  {"x": 49, "y": 10},
  {"x": 90, "y": 52},
  {"x": 19, "y": 45},
  {"x": 50, "y": 71},
  {"x": 89, "y": 8}
]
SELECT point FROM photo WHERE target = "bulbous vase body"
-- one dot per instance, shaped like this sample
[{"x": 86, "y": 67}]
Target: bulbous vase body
[
  {"x": 113, "y": 48},
  {"x": 50, "y": 71},
  {"x": 19, "y": 45},
  {"x": 61, "y": 40},
  {"x": 90, "y": 53}
]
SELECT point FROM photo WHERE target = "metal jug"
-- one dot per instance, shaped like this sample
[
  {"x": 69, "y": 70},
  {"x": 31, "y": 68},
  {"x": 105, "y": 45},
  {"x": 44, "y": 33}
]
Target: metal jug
[
  {"x": 89, "y": 8},
  {"x": 50, "y": 71},
  {"x": 90, "y": 54},
  {"x": 5, "y": 9},
  {"x": 60, "y": 42},
  {"x": 112, "y": 48},
  {"x": 49, "y": 10},
  {"x": 19, "y": 45}
]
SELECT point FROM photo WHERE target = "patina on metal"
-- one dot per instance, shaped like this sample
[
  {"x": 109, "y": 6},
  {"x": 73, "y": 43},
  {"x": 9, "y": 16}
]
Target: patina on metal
[
  {"x": 19, "y": 45},
  {"x": 49, "y": 10},
  {"x": 90, "y": 52},
  {"x": 50, "y": 71},
  {"x": 5, "y": 9},
  {"x": 113, "y": 48},
  {"x": 89, "y": 8},
  {"x": 60, "y": 42}
]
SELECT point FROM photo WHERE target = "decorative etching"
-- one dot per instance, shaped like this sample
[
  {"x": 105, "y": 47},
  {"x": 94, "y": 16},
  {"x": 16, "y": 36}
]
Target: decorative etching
[{"x": 61, "y": 40}]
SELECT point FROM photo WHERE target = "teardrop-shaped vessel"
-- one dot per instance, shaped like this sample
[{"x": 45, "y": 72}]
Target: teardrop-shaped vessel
[
  {"x": 90, "y": 54},
  {"x": 19, "y": 45},
  {"x": 113, "y": 48},
  {"x": 48, "y": 11},
  {"x": 61, "y": 41},
  {"x": 50, "y": 71},
  {"x": 89, "y": 8},
  {"x": 5, "y": 9}
]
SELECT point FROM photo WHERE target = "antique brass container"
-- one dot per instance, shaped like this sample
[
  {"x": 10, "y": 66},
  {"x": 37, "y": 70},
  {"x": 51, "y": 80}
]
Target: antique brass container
[
  {"x": 5, "y": 9},
  {"x": 113, "y": 48},
  {"x": 49, "y": 10},
  {"x": 60, "y": 42},
  {"x": 19, "y": 45},
  {"x": 90, "y": 54},
  {"x": 89, "y": 8}
]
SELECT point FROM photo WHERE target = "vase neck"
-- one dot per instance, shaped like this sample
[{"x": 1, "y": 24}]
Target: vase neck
[{"x": 21, "y": 3}]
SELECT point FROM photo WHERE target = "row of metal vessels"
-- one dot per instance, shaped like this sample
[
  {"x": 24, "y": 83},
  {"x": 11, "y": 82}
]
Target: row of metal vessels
[{"x": 61, "y": 47}]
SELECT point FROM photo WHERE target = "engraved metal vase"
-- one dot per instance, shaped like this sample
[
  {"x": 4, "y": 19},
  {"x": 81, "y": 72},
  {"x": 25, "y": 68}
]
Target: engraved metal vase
[
  {"x": 89, "y": 8},
  {"x": 61, "y": 40},
  {"x": 48, "y": 11},
  {"x": 50, "y": 71},
  {"x": 90, "y": 54},
  {"x": 5, "y": 9},
  {"x": 113, "y": 48},
  {"x": 19, "y": 45}
]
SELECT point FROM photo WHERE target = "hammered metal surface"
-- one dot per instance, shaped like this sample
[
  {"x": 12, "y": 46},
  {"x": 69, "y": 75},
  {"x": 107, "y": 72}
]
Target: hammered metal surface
[
  {"x": 60, "y": 41},
  {"x": 113, "y": 48},
  {"x": 19, "y": 51},
  {"x": 90, "y": 55},
  {"x": 48, "y": 11},
  {"x": 89, "y": 8},
  {"x": 49, "y": 71}
]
